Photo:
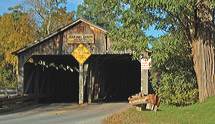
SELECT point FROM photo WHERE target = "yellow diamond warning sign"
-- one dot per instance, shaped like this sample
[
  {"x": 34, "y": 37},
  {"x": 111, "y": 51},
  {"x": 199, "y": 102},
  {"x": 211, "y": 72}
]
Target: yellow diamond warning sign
[{"x": 81, "y": 53}]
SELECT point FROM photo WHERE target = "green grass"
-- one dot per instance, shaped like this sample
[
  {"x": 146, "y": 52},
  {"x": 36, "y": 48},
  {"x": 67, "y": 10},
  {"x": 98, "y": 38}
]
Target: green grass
[{"x": 200, "y": 113}]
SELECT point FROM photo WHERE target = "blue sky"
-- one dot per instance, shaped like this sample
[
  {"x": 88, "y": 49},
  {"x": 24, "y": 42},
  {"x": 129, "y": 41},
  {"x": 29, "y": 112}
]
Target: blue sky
[
  {"x": 72, "y": 5},
  {"x": 5, "y": 4},
  {"x": 155, "y": 33}
]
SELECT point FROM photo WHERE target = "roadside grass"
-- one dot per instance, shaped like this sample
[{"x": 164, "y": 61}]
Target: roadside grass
[{"x": 199, "y": 113}]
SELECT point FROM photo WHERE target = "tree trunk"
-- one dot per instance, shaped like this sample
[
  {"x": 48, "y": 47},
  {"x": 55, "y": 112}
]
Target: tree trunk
[
  {"x": 203, "y": 58},
  {"x": 203, "y": 51}
]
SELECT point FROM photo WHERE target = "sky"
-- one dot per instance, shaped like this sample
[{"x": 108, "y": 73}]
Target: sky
[
  {"x": 72, "y": 5},
  {"x": 5, "y": 4},
  {"x": 155, "y": 33}
]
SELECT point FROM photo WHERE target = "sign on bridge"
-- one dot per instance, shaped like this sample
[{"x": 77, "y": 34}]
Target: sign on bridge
[
  {"x": 145, "y": 64},
  {"x": 80, "y": 38},
  {"x": 81, "y": 53}
]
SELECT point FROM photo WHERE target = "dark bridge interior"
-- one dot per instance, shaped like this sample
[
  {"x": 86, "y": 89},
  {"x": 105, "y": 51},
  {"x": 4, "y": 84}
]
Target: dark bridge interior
[
  {"x": 109, "y": 78},
  {"x": 116, "y": 76},
  {"x": 53, "y": 81}
]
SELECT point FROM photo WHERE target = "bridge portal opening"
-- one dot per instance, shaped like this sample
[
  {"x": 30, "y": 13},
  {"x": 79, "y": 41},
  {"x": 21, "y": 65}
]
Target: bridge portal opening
[
  {"x": 52, "y": 78},
  {"x": 107, "y": 78},
  {"x": 115, "y": 77}
]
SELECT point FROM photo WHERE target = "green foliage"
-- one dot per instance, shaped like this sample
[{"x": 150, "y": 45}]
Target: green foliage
[
  {"x": 172, "y": 53},
  {"x": 172, "y": 58},
  {"x": 127, "y": 21},
  {"x": 101, "y": 12},
  {"x": 7, "y": 77},
  {"x": 176, "y": 89},
  {"x": 124, "y": 25}
]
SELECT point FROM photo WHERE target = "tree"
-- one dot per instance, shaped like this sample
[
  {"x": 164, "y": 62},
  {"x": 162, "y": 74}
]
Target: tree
[
  {"x": 101, "y": 12},
  {"x": 193, "y": 19},
  {"x": 116, "y": 16},
  {"x": 17, "y": 30},
  {"x": 173, "y": 75},
  {"x": 49, "y": 14}
]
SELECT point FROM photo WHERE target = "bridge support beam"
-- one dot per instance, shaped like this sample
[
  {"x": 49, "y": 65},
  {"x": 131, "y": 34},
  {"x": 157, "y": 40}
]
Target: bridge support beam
[
  {"x": 20, "y": 75},
  {"x": 144, "y": 81},
  {"x": 81, "y": 84},
  {"x": 144, "y": 74}
]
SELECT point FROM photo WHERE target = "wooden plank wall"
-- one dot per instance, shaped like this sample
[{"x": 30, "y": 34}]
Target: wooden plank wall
[{"x": 58, "y": 45}]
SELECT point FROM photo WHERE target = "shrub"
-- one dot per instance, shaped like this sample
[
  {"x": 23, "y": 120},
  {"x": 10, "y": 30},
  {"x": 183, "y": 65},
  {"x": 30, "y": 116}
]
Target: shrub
[
  {"x": 7, "y": 78},
  {"x": 176, "y": 89},
  {"x": 172, "y": 57}
]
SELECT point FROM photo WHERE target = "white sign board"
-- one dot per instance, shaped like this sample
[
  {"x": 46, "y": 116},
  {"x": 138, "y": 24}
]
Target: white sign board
[{"x": 145, "y": 64}]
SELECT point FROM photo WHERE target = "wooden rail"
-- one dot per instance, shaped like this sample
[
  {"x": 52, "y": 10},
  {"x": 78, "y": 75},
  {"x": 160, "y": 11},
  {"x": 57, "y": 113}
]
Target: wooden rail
[
  {"x": 15, "y": 99},
  {"x": 15, "y": 102}
]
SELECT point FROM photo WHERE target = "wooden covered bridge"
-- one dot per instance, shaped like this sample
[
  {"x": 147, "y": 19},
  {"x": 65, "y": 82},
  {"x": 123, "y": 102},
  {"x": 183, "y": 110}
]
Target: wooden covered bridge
[{"x": 76, "y": 64}]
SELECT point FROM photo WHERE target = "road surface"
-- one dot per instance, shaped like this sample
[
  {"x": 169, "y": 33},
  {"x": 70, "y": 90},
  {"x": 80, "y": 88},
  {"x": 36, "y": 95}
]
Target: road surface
[{"x": 63, "y": 113}]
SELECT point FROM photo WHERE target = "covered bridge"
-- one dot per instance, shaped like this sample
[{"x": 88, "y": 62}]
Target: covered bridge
[{"x": 76, "y": 64}]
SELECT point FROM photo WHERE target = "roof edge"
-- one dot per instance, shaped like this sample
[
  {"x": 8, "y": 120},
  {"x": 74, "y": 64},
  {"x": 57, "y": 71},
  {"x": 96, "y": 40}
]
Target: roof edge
[{"x": 61, "y": 29}]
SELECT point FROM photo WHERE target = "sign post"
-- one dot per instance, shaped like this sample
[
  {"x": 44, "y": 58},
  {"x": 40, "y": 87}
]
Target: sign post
[
  {"x": 145, "y": 66},
  {"x": 81, "y": 54},
  {"x": 81, "y": 85}
]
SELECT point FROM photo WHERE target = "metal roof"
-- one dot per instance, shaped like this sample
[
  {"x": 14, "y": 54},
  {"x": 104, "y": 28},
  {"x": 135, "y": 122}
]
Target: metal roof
[{"x": 37, "y": 42}]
